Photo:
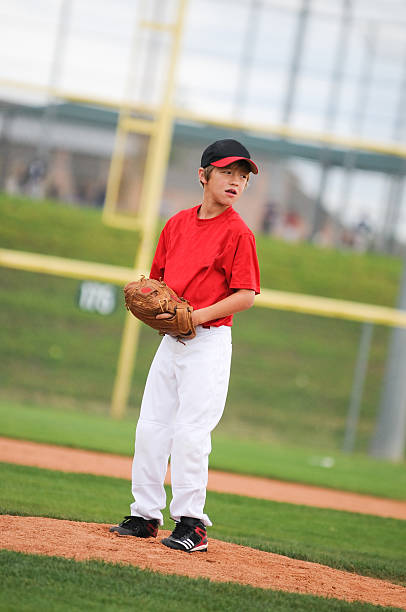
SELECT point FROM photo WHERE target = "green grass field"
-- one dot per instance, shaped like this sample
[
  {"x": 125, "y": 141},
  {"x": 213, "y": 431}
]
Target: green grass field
[
  {"x": 357, "y": 473},
  {"x": 64, "y": 585},
  {"x": 364, "y": 544},
  {"x": 367, "y": 545},
  {"x": 291, "y": 373},
  {"x": 286, "y": 411}
]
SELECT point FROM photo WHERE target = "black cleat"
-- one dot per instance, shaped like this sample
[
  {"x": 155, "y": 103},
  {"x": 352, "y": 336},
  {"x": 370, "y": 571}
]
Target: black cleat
[
  {"x": 137, "y": 526},
  {"x": 189, "y": 535}
]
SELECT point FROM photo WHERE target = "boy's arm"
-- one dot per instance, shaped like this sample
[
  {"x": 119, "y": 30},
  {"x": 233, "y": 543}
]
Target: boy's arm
[
  {"x": 158, "y": 263},
  {"x": 241, "y": 299}
]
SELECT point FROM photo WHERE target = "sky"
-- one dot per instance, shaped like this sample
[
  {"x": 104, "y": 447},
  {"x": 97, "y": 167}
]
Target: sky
[{"x": 234, "y": 63}]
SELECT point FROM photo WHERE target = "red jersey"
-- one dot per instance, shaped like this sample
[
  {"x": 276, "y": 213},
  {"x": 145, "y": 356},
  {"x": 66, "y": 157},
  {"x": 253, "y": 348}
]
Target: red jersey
[{"x": 205, "y": 260}]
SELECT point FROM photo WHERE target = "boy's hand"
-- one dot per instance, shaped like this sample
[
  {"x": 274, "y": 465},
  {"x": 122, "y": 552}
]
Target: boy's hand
[{"x": 195, "y": 317}]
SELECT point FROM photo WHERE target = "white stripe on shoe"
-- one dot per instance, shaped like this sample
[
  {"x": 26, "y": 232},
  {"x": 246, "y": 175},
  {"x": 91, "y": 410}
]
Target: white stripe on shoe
[{"x": 186, "y": 544}]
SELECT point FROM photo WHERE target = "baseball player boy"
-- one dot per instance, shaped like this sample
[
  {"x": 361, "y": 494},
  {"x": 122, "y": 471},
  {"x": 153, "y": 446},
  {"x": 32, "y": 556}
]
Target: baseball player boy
[{"x": 206, "y": 254}]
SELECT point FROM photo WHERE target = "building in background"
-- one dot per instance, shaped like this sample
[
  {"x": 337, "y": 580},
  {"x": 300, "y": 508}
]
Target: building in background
[{"x": 293, "y": 69}]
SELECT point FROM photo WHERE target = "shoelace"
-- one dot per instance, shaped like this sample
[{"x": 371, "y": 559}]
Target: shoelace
[
  {"x": 181, "y": 529},
  {"x": 131, "y": 519}
]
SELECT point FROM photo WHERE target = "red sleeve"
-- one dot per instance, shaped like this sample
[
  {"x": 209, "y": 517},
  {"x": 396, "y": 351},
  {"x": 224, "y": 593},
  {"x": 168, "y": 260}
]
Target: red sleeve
[
  {"x": 245, "y": 268},
  {"x": 158, "y": 263}
]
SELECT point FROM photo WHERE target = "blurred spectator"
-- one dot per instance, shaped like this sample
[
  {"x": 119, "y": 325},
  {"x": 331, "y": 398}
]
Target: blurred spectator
[
  {"x": 270, "y": 217},
  {"x": 347, "y": 238},
  {"x": 100, "y": 196},
  {"x": 15, "y": 180},
  {"x": 325, "y": 236},
  {"x": 293, "y": 228},
  {"x": 59, "y": 176},
  {"x": 363, "y": 235},
  {"x": 34, "y": 183}
]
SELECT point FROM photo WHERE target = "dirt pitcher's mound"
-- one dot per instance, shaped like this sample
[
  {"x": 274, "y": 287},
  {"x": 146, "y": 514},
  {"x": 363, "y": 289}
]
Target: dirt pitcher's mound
[{"x": 223, "y": 562}]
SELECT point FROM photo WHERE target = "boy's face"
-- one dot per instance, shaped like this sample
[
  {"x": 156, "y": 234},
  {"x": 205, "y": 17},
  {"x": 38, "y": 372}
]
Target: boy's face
[{"x": 225, "y": 185}]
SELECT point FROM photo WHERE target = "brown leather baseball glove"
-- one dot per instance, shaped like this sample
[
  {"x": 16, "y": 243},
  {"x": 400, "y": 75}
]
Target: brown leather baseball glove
[{"x": 147, "y": 298}]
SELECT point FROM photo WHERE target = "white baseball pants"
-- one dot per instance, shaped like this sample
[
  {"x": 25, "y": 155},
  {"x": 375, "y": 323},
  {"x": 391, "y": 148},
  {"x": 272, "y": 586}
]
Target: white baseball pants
[{"x": 183, "y": 401}]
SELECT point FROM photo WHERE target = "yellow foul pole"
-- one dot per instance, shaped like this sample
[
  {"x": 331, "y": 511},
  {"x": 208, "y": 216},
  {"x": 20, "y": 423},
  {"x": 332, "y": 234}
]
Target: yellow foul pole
[{"x": 153, "y": 184}]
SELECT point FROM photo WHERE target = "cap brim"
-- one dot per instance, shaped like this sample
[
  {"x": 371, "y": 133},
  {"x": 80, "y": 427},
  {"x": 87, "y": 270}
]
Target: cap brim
[{"x": 226, "y": 161}]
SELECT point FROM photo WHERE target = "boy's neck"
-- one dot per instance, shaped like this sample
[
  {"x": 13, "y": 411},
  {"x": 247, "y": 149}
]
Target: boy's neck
[{"x": 210, "y": 209}]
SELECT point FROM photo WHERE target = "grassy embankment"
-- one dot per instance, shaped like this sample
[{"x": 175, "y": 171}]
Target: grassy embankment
[{"x": 292, "y": 373}]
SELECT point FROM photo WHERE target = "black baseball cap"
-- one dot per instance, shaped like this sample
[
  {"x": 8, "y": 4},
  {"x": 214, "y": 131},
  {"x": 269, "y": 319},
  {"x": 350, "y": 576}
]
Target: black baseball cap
[{"x": 225, "y": 152}]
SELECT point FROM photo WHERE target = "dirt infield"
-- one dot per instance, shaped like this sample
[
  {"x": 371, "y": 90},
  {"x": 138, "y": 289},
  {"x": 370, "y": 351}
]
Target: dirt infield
[
  {"x": 222, "y": 563},
  {"x": 103, "y": 464}
]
